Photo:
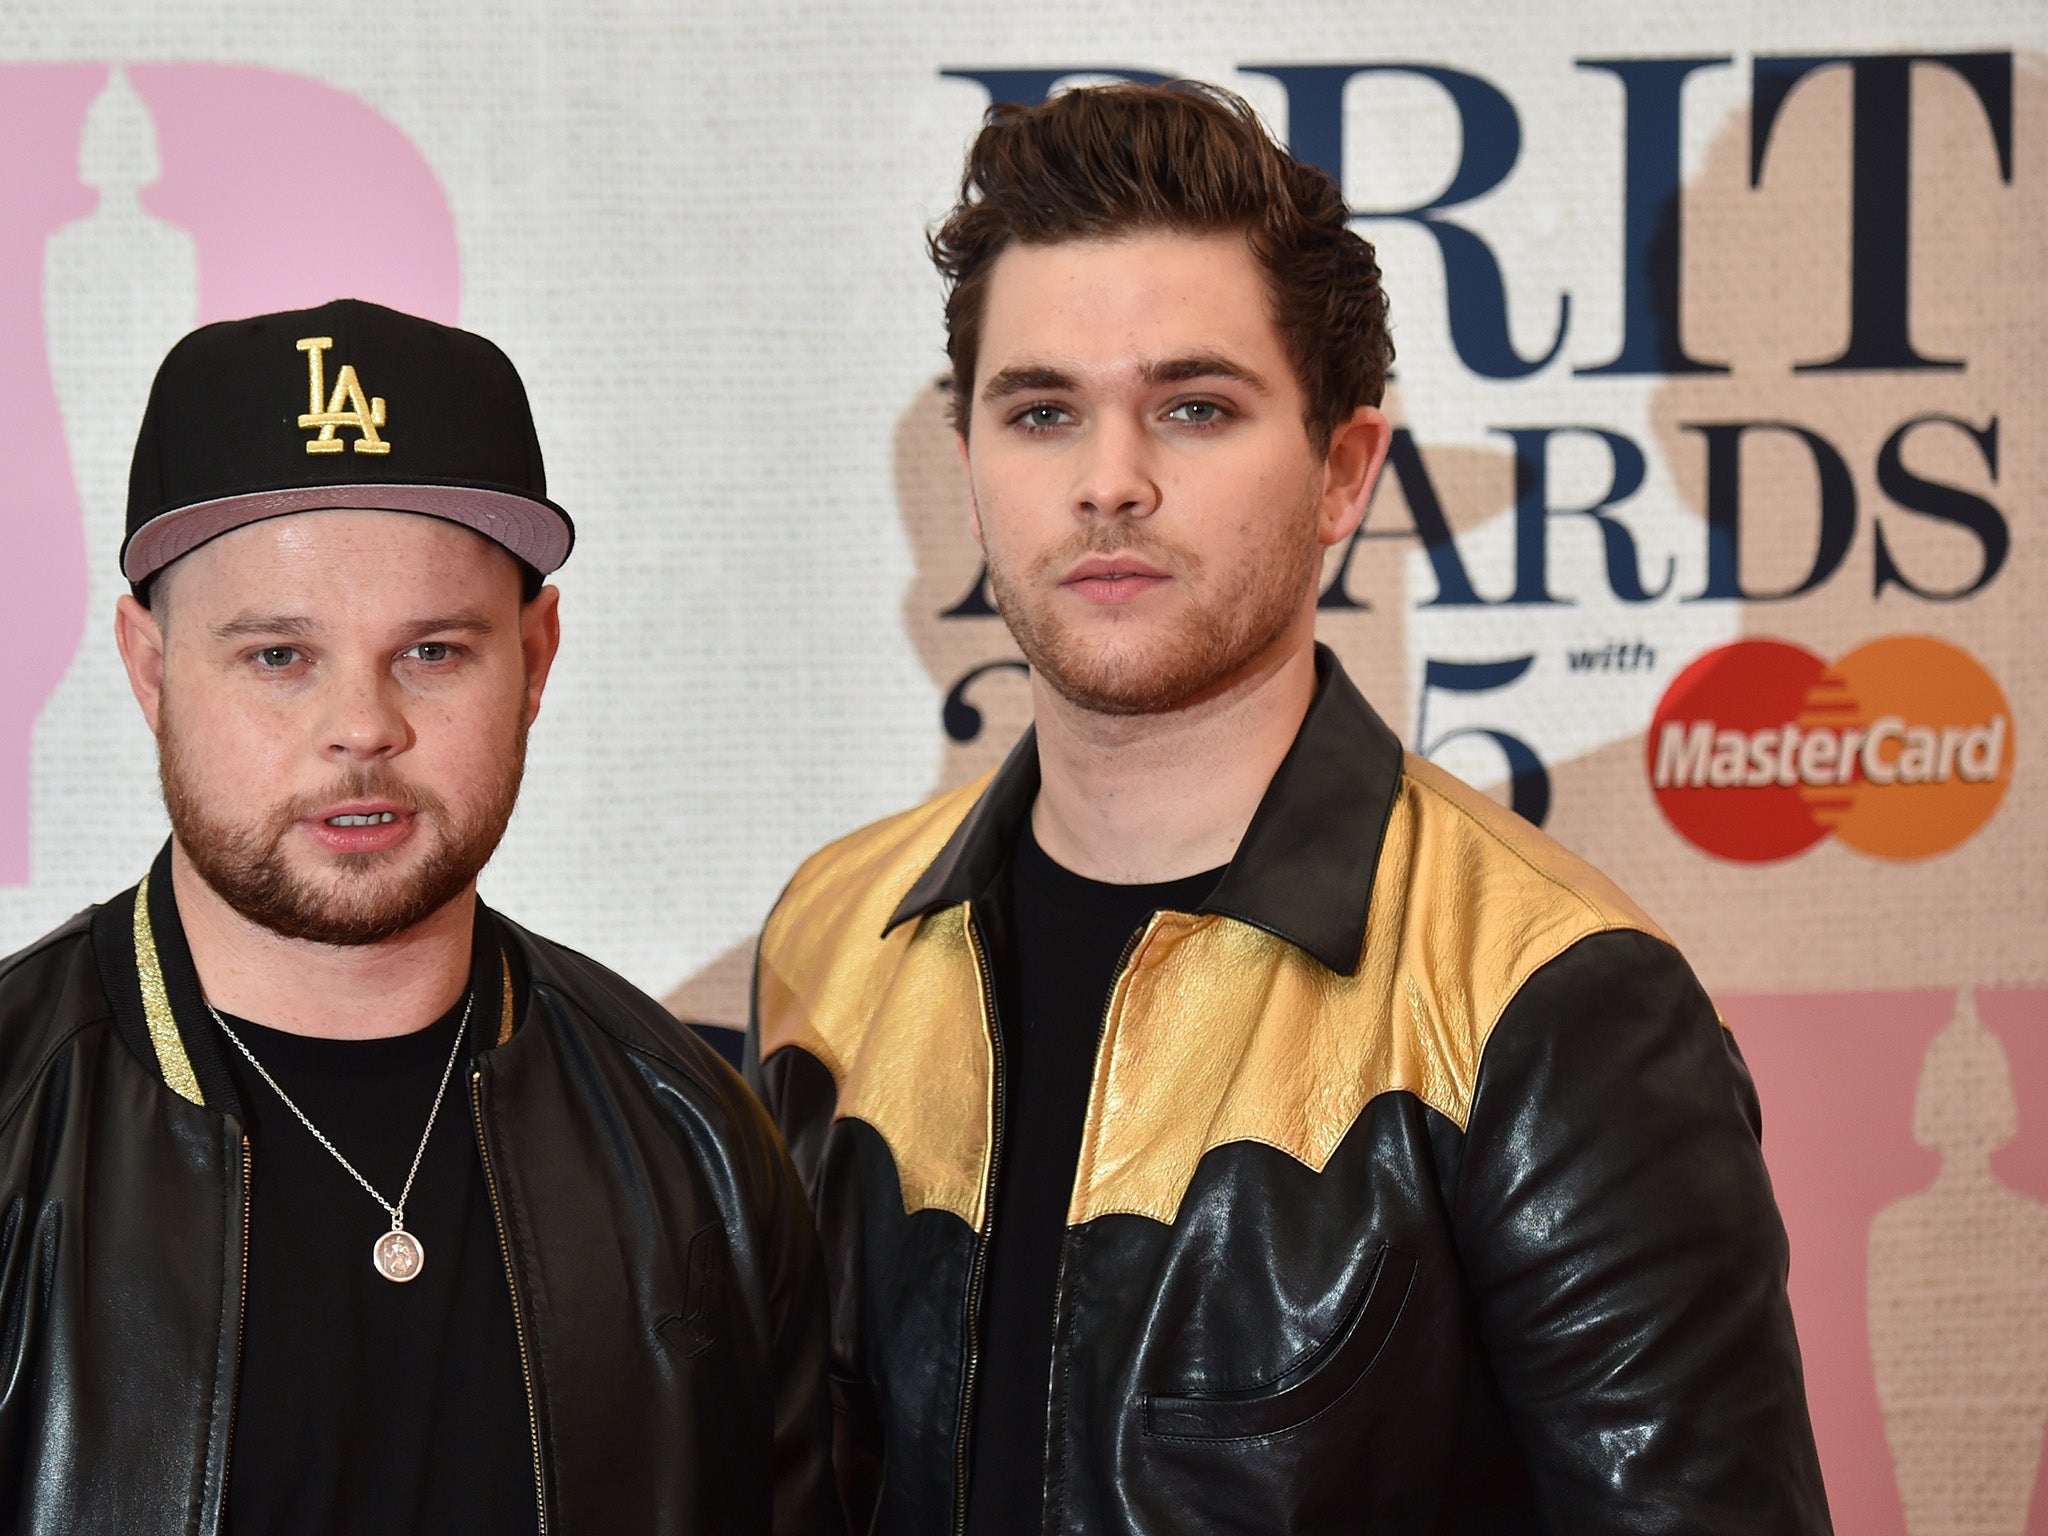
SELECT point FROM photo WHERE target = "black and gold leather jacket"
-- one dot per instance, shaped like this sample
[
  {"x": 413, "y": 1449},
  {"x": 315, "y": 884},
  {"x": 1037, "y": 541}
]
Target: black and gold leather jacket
[
  {"x": 663, "y": 1270},
  {"x": 1420, "y": 1188}
]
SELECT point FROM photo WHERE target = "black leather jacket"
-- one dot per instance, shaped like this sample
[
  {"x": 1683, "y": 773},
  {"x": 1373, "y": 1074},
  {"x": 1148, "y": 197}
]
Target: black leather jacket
[
  {"x": 664, "y": 1274},
  {"x": 1420, "y": 1188}
]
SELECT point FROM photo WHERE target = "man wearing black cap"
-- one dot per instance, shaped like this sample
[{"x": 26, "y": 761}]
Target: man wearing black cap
[{"x": 332, "y": 1200}]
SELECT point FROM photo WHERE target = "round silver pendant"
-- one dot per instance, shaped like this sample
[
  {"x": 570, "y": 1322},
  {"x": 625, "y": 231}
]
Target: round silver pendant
[{"x": 399, "y": 1256}]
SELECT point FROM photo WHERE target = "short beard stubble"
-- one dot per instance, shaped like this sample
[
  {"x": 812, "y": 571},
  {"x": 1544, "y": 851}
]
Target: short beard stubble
[
  {"x": 1209, "y": 646},
  {"x": 246, "y": 865}
]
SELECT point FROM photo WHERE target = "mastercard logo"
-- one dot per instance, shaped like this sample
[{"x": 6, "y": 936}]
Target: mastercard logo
[{"x": 1902, "y": 749}]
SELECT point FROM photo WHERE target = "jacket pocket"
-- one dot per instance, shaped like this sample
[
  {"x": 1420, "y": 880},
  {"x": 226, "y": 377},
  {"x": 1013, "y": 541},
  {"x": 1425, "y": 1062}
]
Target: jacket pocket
[{"x": 1316, "y": 1385}]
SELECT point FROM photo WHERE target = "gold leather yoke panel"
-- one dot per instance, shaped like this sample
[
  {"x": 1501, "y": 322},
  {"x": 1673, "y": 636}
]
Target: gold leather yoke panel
[
  {"x": 897, "y": 1021},
  {"x": 1219, "y": 1032}
]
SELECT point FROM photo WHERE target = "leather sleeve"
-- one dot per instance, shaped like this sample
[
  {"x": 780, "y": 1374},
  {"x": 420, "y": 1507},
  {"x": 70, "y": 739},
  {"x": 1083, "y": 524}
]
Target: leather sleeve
[
  {"x": 750, "y": 1051},
  {"x": 806, "y": 1498},
  {"x": 806, "y": 1502},
  {"x": 1627, "y": 1260}
]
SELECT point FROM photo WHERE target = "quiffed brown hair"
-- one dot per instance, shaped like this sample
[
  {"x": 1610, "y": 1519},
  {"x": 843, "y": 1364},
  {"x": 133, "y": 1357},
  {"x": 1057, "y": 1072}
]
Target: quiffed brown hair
[{"x": 1110, "y": 160}]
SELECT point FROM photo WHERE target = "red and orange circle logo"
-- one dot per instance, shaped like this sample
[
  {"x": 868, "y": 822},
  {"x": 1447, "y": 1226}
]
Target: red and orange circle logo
[{"x": 1901, "y": 749}]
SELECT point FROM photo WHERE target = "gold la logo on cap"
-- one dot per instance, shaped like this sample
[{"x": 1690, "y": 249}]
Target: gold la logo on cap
[{"x": 366, "y": 415}]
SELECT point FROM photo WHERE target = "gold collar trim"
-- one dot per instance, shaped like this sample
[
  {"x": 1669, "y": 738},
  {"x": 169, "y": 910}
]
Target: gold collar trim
[
  {"x": 171, "y": 1059},
  {"x": 505, "y": 1007}
]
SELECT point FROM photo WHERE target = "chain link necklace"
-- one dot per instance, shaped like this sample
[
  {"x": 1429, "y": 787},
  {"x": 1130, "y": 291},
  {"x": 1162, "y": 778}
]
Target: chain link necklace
[{"x": 397, "y": 1255}]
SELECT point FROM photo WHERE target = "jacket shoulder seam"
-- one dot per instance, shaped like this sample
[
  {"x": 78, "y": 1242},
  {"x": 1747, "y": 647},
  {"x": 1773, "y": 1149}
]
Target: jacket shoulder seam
[
  {"x": 551, "y": 966},
  {"x": 1604, "y": 918},
  {"x": 36, "y": 1073},
  {"x": 881, "y": 830},
  {"x": 77, "y": 926},
  {"x": 884, "y": 841},
  {"x": 651, "y": 1049}
]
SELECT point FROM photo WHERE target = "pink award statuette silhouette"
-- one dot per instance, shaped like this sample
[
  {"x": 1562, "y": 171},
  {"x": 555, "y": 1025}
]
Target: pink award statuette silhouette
[
  {"x": 1958, "y": 1289},
  {"x": 1835, "y": 1073},
  {"x": 42, "y": 574},
  {"x": 296, "y": 193}
]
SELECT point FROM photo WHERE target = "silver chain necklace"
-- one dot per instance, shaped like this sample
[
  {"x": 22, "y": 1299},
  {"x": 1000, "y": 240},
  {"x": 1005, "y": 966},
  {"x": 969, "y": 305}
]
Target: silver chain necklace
[{"x": 398, "y": 1255}]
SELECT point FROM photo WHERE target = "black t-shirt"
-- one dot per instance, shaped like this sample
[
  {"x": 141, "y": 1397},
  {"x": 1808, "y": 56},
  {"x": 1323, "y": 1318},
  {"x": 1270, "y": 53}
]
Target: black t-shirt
[
  {"x": 1053, "y": 978},
  {"x": 366, "y": 1405}
]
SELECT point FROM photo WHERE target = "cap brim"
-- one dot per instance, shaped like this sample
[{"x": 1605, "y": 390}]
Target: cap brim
[{"x": 538, "y": 532}]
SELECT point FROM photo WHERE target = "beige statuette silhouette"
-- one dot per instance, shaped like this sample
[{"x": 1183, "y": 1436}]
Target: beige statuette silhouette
[
  {"x": 932, "y": 497},
  {"x": 1958, "y": 1278}
]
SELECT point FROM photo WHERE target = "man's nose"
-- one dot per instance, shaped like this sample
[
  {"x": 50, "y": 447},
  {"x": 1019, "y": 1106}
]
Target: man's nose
[
  {"x": 364, "y": 721},
  {"x": 1117, "y": 477}
]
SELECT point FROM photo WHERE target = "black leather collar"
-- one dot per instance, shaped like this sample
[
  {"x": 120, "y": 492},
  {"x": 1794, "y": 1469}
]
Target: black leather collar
[{"x": 1304, "y": 871}]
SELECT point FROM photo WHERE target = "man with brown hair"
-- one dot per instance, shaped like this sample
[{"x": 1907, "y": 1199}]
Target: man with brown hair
[{"x": 1219, "y": 1119}]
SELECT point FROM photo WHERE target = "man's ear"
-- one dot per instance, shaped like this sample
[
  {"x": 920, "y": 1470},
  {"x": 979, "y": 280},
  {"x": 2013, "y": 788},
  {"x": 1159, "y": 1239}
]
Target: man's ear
[
  {"x": 1358, "y": 451},
  {"x": 540, "y": 637},
  {"x": 973, "y": 501},
  {"x": 140, "y": 639}
]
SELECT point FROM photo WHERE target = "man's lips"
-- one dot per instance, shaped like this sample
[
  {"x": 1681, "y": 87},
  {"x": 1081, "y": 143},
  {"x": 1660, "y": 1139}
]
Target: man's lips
[
  {"x": 1106, "y": 580},
  {"x": 360, "y": 826}
]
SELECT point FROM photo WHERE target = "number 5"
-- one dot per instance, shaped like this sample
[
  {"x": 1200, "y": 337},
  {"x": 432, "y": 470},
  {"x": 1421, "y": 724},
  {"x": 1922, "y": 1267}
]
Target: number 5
[{"x": 1528, "y": 779}]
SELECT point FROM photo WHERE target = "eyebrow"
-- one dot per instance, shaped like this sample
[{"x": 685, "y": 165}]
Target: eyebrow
[
  {"x": 1026, "y": 376},
  {"x": 243, "y": 624},
  {"x": 1203, "y": 365},
  {"x": 1172, "y": 370},
  {"x": 470, "y": 621},
  {"x": 466, "y": 621}
]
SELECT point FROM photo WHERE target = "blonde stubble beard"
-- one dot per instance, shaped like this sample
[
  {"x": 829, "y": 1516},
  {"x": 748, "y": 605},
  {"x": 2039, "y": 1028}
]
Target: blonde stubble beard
[{"x": 1201, "y": 654}]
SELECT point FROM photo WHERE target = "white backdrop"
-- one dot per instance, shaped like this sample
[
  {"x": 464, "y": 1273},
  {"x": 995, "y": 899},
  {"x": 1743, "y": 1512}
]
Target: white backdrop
[{"x": 698, "y": 229}]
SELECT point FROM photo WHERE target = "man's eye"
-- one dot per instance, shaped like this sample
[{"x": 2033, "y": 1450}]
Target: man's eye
[
  {"x": 1040, "y": 418},
  {"x": 432, "y": 651},
  {"x": 275, "y": 657},
  {"x": 1196, "y": 413}
]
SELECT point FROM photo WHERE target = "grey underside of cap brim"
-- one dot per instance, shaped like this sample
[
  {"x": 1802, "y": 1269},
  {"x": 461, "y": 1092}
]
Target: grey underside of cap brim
[{"x": 532, "y": 530}]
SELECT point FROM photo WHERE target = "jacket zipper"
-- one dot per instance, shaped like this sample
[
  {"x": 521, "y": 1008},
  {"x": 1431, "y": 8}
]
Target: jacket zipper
[
  {"x": 1059, "y": 1284},
  {"x": 476, "y": 1099},
  {"x": 241, "y": 1329},
  {"x": 988, "y": 1224}
]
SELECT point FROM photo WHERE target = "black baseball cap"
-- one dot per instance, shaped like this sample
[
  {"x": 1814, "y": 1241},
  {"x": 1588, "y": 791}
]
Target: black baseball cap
[{"x": 345, "y": 406}]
